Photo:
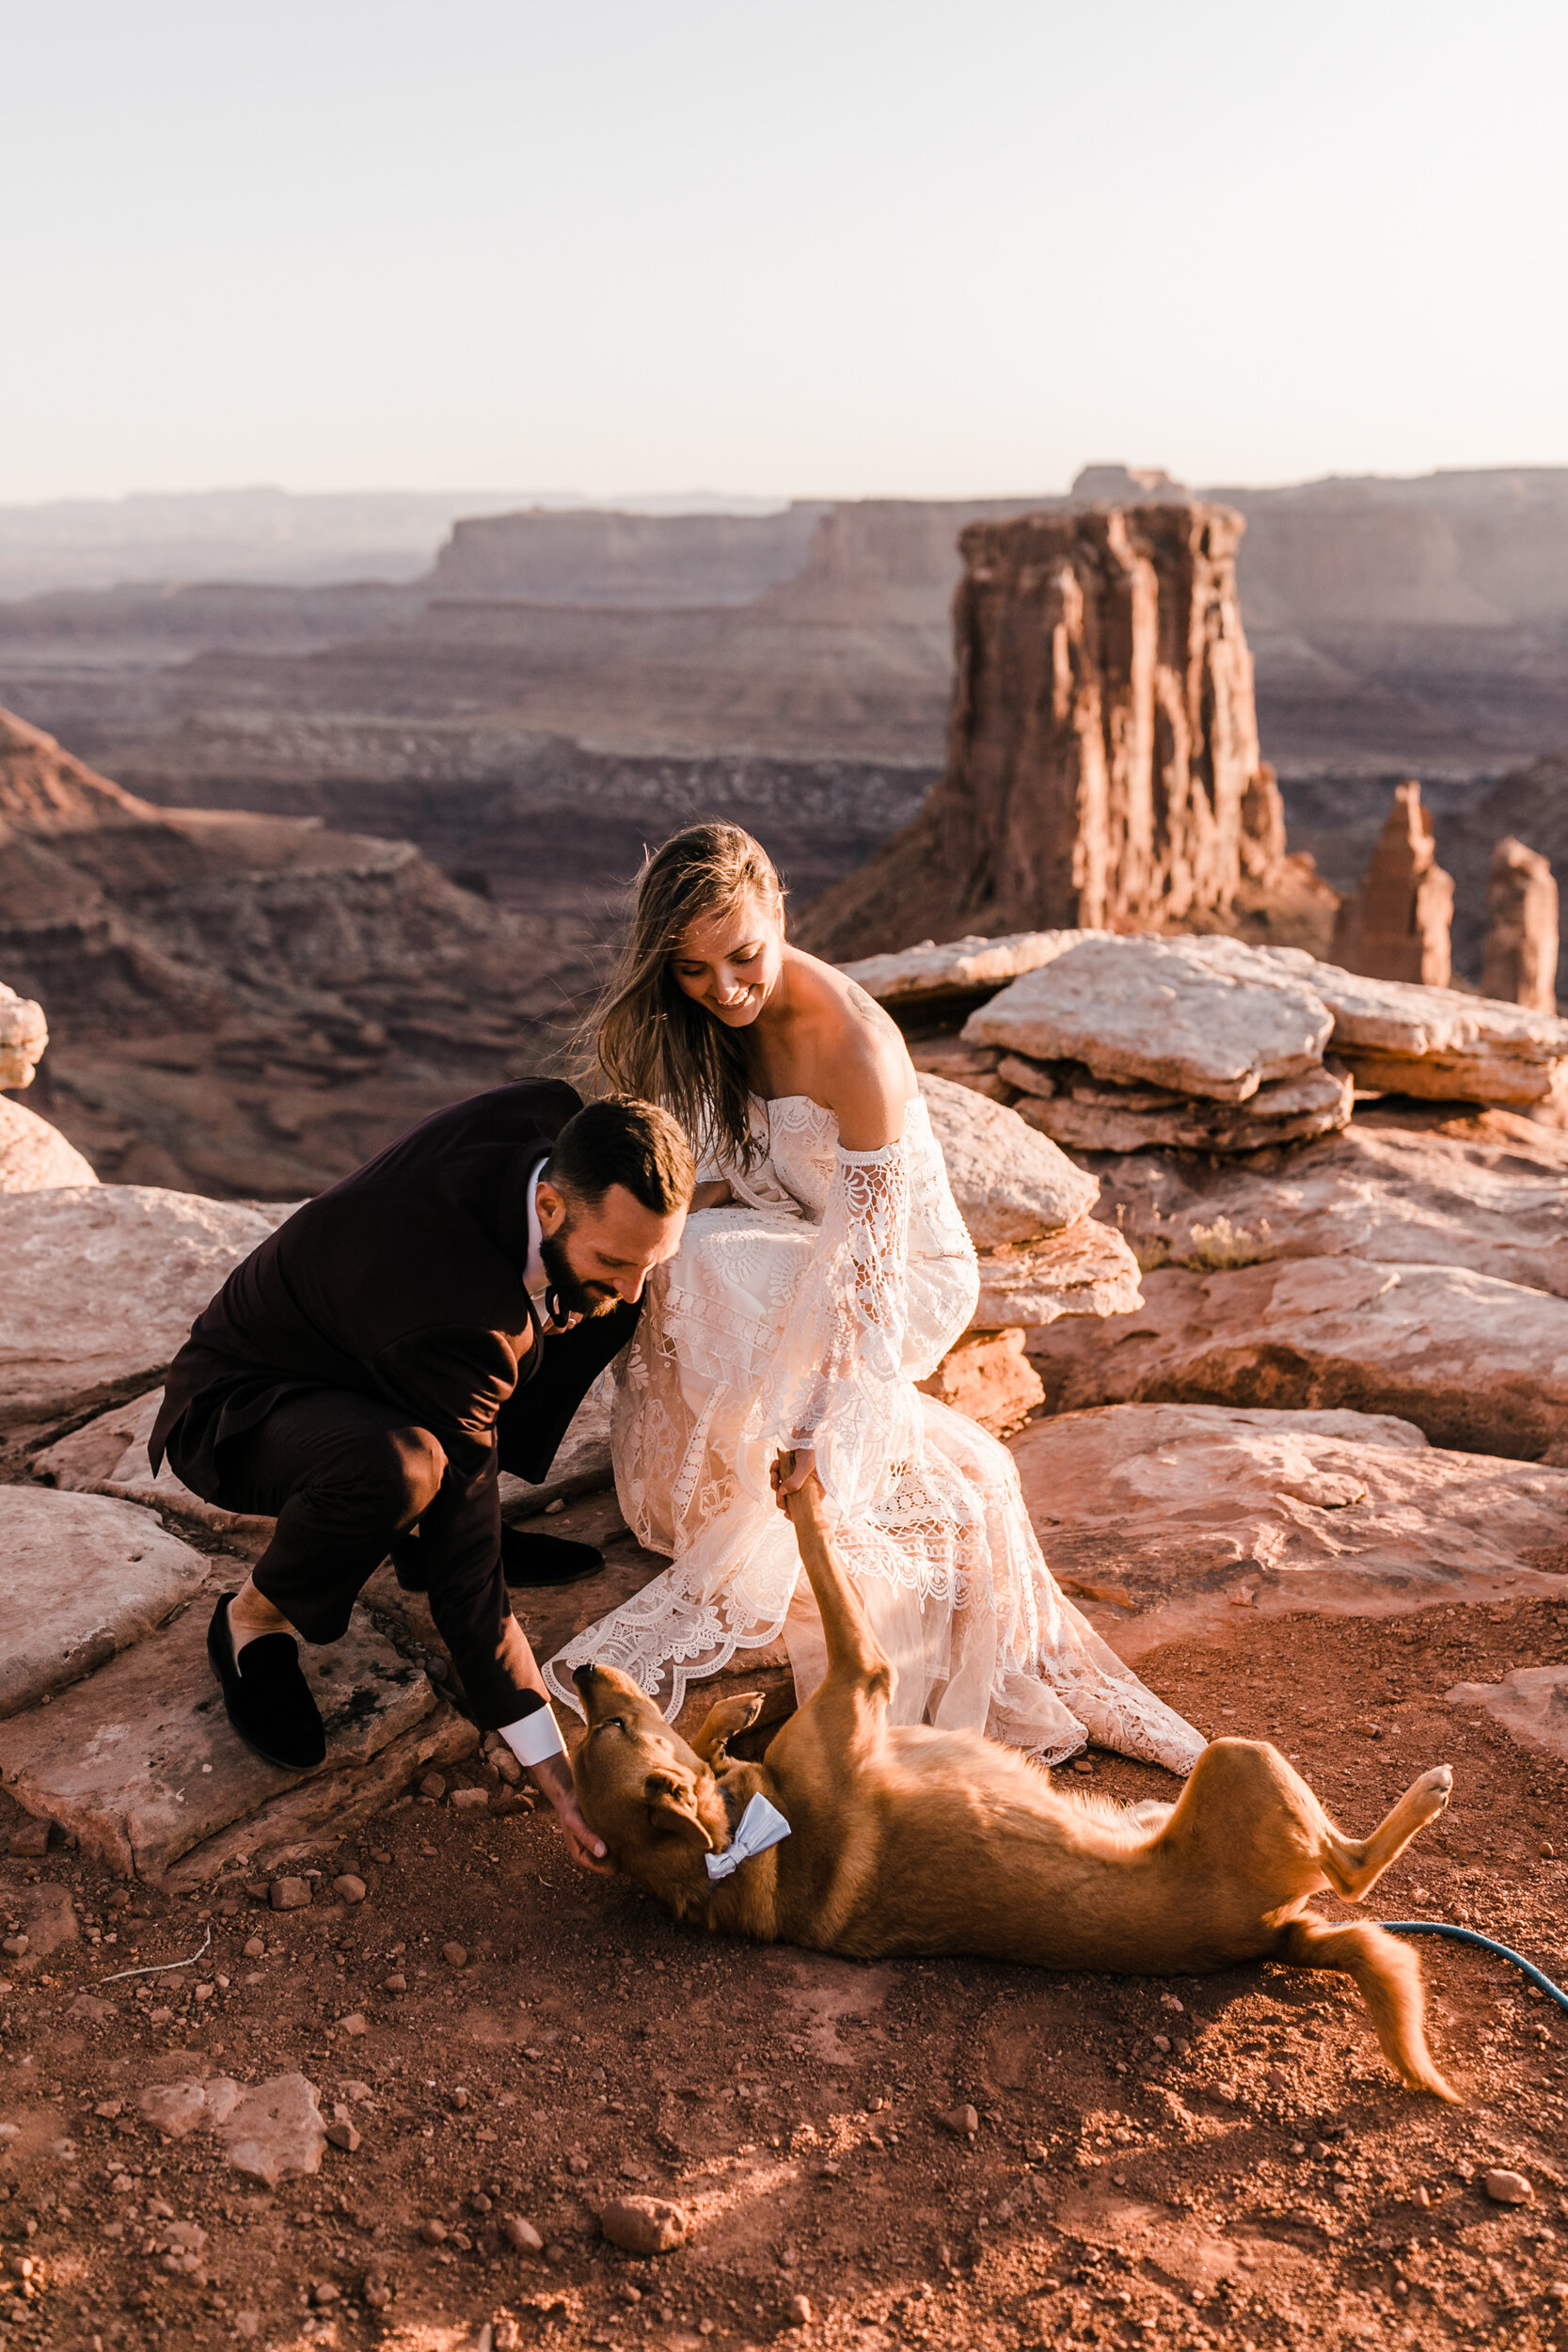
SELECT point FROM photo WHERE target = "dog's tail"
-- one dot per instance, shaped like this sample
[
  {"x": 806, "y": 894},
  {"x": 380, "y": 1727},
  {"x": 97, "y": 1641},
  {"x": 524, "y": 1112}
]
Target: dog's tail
[{"x": 1389, "y": 1979}]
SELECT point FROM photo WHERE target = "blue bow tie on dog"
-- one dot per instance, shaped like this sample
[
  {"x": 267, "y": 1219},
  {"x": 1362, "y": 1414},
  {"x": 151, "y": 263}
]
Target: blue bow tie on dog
[{"x": 760, "y": 1826}]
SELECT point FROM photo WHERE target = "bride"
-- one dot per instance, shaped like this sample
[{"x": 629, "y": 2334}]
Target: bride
[{"x": 824, "y": 1270}]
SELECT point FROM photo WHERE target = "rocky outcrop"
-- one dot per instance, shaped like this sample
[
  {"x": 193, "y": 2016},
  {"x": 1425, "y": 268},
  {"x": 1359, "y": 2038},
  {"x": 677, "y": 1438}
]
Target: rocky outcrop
[
  {"x": 101, "y": 1286},
  {"x": 1396, "y": 927},
  {"x": 1102, "y": 742},
  {"x": 1520, "y": 964},
  {"x": 1086, "y": 1269},
  {"x": 1531, "y": 1704},
  {"x": 1435, "y": 1044},
  {"x": 930, "y": 979},
  {"x": 1476, "y": 1364},
  {"x": 1161, "y": 1520}
]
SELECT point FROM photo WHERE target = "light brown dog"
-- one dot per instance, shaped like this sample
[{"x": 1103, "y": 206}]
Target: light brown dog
[{"x": 908, "y": 1841}]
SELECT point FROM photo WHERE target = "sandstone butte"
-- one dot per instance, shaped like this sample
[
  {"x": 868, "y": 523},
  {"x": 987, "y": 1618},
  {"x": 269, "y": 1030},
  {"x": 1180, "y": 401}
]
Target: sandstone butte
[
  {"x": 1103, "y": 760},
  {"x": 1396, "y": 927}
]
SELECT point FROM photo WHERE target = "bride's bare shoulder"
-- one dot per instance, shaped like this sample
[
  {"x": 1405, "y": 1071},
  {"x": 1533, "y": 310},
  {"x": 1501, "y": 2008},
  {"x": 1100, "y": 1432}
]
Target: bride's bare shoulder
[{"x": 861, "y": 1065}]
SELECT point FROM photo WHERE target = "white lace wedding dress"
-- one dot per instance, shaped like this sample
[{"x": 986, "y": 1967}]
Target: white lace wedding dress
[{"x": 803, "y": 1318}]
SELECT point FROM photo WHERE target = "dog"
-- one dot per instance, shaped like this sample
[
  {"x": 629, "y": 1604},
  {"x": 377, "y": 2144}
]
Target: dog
[{"x": 907, "y": 1840}]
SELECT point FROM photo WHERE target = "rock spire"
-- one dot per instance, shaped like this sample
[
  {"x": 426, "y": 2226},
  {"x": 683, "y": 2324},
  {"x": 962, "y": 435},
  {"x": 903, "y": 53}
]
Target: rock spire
[
  {"x": 1520, "y": 966},
  {"x": 1396, "y": 927}
]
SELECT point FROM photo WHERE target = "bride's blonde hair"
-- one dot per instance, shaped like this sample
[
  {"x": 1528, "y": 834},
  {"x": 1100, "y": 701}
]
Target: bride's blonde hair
[{"x": 648, "y": 1037}]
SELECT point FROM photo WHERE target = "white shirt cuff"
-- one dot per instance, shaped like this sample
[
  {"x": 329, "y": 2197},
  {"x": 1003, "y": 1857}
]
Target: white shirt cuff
[{"x": 533, "y": 1739}]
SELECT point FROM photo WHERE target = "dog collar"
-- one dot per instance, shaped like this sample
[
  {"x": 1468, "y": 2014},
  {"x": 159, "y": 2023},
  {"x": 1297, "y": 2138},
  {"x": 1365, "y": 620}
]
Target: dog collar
[{"x": 760, "y": 1826}]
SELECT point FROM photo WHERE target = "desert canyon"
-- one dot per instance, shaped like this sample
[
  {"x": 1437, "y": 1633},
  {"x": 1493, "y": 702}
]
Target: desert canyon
[{"x": 1202, "y": 847}]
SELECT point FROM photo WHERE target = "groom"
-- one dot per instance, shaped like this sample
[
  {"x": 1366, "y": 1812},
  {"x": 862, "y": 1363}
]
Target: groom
[{"x": 434, "y": 1318}]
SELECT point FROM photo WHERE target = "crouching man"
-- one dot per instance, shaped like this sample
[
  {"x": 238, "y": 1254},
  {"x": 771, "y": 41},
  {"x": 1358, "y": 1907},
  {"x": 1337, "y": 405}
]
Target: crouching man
[{"x": 363, "y": 1377}]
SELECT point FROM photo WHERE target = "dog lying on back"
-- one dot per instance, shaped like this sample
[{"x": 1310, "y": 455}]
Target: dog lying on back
[{"x": 913, "y": 1841}]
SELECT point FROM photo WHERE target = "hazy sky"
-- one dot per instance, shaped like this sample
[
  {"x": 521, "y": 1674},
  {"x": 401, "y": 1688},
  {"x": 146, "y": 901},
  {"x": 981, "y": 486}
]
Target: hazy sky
[{"x": 816, "y": 247}]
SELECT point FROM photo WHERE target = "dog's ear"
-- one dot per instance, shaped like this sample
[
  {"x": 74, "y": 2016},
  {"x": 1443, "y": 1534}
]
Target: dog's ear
[{"x": 673, "y": 1805}]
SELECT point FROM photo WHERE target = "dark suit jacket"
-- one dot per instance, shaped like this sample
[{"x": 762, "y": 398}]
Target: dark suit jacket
[{"x": 404, "y": 1282}]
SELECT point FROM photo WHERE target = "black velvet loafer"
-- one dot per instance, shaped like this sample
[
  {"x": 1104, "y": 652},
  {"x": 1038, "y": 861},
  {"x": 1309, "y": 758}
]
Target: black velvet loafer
[
  {"x": 529, "y": 1559},
  {"x": 266, "y": 1695}
]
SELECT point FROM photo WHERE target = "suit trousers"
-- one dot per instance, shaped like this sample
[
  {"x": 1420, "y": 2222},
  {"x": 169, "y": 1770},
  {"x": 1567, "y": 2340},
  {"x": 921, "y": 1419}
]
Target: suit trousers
[{"x": 344, "y": 1475}]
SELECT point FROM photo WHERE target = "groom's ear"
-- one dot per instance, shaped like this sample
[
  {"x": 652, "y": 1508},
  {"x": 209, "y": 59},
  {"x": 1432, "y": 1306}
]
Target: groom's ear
[{"x": 673, "y": 1803}]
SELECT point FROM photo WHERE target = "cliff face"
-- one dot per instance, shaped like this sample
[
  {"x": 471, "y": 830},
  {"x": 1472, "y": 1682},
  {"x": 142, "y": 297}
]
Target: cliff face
[
  {"x": 1101, "y": 743},
  {"x": 245, "y": 1004}
]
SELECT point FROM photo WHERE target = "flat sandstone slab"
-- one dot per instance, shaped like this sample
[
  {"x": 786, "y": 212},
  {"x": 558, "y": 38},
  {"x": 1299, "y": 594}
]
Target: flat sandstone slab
[
  {"x": 82, "y": 1577},
  {"x": 1471, "y": 1048},
  {"x": 122, "y": 1759},
  {"x": 958, "y": 967},
  {"x": 1161, "y": 1520},
  {"x": 101, "y": 1286},
  {"x": 1488, "y": 1191},
  {"x": 1010, "y": 1185},
  {"x": 1206, "y": 1017},
  {"x": 1087, "y": 1270},
  {"x": 1476, "y": 1364},
  {"x": 107, "y": 1455}
]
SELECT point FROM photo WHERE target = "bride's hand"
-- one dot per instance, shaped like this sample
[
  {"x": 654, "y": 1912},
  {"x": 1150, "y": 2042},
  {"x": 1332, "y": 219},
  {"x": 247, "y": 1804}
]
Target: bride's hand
[{"x": 790, "y": 1473}]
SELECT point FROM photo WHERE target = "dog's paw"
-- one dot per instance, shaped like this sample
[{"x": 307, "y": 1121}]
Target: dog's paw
[{"x": 1433, "y": 1791}]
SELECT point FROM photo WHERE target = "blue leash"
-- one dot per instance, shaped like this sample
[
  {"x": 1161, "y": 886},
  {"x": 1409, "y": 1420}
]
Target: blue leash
[{"x": 1482, "y": 1942}]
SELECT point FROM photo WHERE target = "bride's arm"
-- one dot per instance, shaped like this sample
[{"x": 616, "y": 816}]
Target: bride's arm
[{"x": 715, "y": 1195}]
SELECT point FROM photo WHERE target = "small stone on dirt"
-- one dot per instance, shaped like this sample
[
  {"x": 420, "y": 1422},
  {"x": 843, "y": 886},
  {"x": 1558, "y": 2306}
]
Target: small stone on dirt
[
  {"x": 434, "y": 1784},
  {"x": 799, "y": 2310},
  {"x": 394, "y": 1984},
  {"x": 353, "y": 2024},
  {"x": 344, "y": 2136},
  {"x": 349, "y": 1889},
  {"x": 521, "y": 2235},
  {"x": 961, "y": 2122},
  {"x": 455, "y": 1955},
  {"x": 644, "y": 2225},
  {"x": 434, "y": 2232},
  {"x": 289, "y": 1894},
  {"x": 1505, "y": 2187},
  {"x": 28, "y": 1839},
  {"x": 470, "y": 1800},
  {"x": 254, "y": 1949},
  {"x": 576, "y": 2162},
  {"x": 324, "y": 2293}
]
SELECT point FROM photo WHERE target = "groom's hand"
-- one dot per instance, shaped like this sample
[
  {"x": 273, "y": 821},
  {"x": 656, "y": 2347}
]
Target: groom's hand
[{"x": 587, "y": 1850}]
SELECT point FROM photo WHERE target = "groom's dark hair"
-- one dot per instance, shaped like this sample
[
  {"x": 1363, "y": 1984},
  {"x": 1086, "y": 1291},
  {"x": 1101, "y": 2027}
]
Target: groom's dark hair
[{"x": 624, "y": 1141}]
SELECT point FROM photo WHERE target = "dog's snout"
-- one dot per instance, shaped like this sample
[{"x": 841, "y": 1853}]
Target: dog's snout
[{"x": 583, "y": 1675}]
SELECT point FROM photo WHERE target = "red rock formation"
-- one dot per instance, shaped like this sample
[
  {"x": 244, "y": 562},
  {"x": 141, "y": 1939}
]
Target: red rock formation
[
  {"x": 1521, "y": 928},
  {"x": 1101, "y": 743},
  {"x": 1396, "y": 927}
]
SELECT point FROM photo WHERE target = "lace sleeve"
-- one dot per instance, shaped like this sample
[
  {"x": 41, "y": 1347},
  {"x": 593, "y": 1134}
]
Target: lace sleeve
[{"x": 841, "y": 1389}]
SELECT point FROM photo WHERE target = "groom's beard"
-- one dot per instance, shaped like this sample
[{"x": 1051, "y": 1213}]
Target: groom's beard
[{"x": 576, "y": 1296}]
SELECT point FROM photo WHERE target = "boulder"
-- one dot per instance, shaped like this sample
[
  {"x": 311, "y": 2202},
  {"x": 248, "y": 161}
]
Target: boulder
[
  {"x": 989, "y": 1376},
  {"x": 1488, "y": 1191},
  {"x": 1201, "y": 1017},
  {"x": 23, "y": 1035},
  {"x": 101, "y": 1285},
  {"x": 1092, "y": 1116},
  {"x": 958, "y": 968},
  {"x": 140, "y": 1762},
  {"x": 34, "y": 1156},
  {"x": 1161, "y": 1519},
  {"x": 1434, "y": 1042},
  {"x": 1519, "y": 965},
  {"x": 1010, "y": 1185},
  {"x": 1474, "y": 1362},
  {"x": 1396, "y": 927},
  {"x": 107, "y": 1455},
  {"x": 1531, "y": 1703},
  {"x": 81, "y": 1578},
  {"x": 1086, "y": 1269}
]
